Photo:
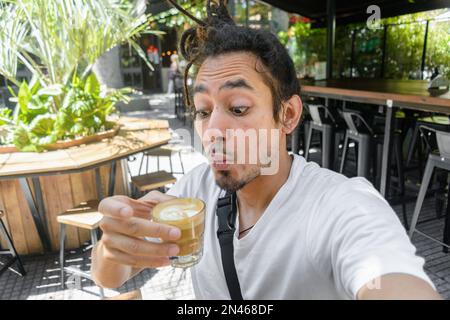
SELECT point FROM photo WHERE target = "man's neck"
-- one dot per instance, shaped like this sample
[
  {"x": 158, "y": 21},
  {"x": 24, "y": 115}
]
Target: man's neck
[{"x": 255, "y": 197}]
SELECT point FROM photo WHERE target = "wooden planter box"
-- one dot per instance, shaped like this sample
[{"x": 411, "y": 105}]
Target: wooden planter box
[
  {"x": 62, "y": 189},
  {"x": 60, "y": 193},
  {"x": 64, "y": 144}
]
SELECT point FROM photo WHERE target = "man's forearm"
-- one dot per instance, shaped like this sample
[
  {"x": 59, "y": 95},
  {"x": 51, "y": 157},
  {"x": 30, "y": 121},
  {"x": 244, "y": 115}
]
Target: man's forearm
[
  {"x": 107, "y": 274},
  {"x": 399, "y": 286}
]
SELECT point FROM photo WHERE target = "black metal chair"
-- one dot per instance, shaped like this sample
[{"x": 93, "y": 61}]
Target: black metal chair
[
  {"x": 437, "y": 122},
  {"x": 15, "y": 258},
  {"x": 324, "y": 122},
  {"x": 361, "y": 133},
  {"x": 145, "y": 180},
  {"x": 369, "y": 146},
  {"x": 417, "y": 149},
  {"x": 167, "y": 151},
  {"x": 439, "y": 158}
]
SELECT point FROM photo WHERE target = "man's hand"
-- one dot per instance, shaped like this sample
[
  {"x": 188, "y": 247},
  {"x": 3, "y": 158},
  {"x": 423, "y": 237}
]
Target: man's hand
[{"x": 122, "y": 250}]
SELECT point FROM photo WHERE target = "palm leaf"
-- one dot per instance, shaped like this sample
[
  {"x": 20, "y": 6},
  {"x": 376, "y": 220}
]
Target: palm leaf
[{"x": 65, "y": 35}]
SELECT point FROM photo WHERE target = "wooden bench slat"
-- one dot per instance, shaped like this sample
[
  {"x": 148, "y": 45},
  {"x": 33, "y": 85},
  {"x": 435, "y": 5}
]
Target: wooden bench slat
[
  {"x": 153, "y": 180},
  {"x": 85, "y": 215},
  {"x": 164, "y": 151}
]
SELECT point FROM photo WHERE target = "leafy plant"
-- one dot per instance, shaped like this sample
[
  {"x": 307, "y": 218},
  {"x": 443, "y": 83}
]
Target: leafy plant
[
  {"x": 59, "y": 41},
  {"x": 85, "y": 106},
  {"x": 55, "y": 39}
]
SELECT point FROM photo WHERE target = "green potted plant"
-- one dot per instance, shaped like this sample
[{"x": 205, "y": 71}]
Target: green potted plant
[{"x": 59, "y": 41}]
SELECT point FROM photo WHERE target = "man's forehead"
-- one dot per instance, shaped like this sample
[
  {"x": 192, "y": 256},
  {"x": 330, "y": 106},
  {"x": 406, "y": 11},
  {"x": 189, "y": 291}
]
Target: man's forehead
[
  {"x": 233, "y": 67},
  {"x": 243, "y": 58}
]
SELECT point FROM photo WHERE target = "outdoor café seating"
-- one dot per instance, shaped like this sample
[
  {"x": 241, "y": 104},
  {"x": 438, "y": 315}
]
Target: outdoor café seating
[
  {"x": 167, "y": 151},
  {"x": 151, "y": 181},
  {"x": 439, "y": 158},
  {"x": 113, "y": 120},
  {"x": 438, "y": 122},
  {"x": 87, "y": 217},
  {"x": 330, "y": 129}
]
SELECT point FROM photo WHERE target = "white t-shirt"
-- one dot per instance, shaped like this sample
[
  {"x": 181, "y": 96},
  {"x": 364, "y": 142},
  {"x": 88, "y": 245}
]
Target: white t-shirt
[{"x": 323, "y": 236}]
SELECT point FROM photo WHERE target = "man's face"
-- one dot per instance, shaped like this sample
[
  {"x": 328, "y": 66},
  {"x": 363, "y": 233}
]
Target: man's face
[{"x": 234, "y": 107}]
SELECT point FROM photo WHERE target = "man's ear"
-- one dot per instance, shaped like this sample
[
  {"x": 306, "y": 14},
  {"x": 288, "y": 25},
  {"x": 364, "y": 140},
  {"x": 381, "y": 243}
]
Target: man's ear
[{"x": 292, "y": 112}]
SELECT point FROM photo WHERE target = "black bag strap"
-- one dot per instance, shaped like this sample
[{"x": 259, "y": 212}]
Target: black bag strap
[{"x": 226, "y": 214}]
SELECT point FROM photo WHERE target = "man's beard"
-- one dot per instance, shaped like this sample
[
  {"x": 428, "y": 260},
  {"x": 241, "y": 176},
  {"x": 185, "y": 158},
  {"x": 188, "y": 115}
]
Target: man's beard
[{"x": 226, "y": 182}]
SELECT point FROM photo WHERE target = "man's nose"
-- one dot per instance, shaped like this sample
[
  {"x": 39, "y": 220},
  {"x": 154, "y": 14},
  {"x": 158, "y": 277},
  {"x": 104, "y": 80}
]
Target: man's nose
[{"x": 217, "y": 125}]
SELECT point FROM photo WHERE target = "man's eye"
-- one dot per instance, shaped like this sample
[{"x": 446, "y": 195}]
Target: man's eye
[
  {"x": 238, "y": 111},
  {"x": 201, "y": 114}
]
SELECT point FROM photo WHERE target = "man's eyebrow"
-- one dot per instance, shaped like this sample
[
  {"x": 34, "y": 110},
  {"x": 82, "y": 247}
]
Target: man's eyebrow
[
  {"x": 238, "y": 83},
  {"x": 230, "y": 84}
]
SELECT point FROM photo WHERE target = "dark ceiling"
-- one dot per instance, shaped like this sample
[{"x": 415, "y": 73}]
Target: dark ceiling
[{"x": 356, "y": 10}]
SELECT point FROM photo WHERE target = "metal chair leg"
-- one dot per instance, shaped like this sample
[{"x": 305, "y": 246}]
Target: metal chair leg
[
  {"x": 378, "y": 158},
  {"x": 344, "y": 154},
  {"x": 412, "y": 146},
  {"x": 327, "y": 147},
  {"x": 12, "y": 250},
  {"x": 400, "y": 174},
  {"x": 423, "y": 190},
  {"x": 337, "y": 142},
  {"x": 94, "y": 241},
  {"x": 447, "y": 222},
  {"x": 363, "y": 161},
  {"x": 62, "y": 238}
]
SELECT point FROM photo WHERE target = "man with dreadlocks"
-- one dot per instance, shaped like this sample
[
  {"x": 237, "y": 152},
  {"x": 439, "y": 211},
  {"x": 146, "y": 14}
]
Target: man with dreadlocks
[{"x": 302, "y": 232}]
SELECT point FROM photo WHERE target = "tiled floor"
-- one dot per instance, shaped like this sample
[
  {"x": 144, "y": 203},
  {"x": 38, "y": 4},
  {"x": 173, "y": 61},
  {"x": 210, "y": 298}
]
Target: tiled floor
[{"x": 43, "y": 278}]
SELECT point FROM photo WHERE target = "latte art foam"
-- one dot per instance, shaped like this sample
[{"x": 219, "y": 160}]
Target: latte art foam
[
  {"x": 176, "y": 213},
  {"x": 187, "y": 214}
]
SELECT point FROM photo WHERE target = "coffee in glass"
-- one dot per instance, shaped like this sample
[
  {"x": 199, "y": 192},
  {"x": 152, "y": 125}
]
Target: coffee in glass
[{"x": 187, "y": 214}]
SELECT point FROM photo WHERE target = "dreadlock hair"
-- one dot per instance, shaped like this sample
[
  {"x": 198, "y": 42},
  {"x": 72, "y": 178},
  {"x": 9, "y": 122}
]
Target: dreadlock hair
[{"x": 218, "y": 34}]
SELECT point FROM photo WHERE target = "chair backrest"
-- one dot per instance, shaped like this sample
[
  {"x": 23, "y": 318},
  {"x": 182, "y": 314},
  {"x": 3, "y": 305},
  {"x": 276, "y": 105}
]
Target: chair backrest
[
  {"x": 320, "y": 114},
  {"x": 443, "y": 142},
  {"x": 315, "y": 113},
  {"x": 352, "y": 125}
]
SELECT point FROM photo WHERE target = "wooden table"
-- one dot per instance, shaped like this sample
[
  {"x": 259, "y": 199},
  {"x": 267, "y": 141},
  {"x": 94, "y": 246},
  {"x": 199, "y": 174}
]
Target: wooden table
[
  {"x": 408, "y": 94},
  {"x": 51, "y": 182}
]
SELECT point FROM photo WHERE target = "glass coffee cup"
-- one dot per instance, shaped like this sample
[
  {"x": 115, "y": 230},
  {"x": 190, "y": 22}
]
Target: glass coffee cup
[{"x": 187, "y": 214}]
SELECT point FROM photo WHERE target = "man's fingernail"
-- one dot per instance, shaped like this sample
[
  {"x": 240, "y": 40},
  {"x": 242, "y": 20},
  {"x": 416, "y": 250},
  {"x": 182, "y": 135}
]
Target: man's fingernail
[
  {"x": 126, "y": 212},
  {"x": 174, "y": 233},
  {"x": 173, "y": 250}
]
